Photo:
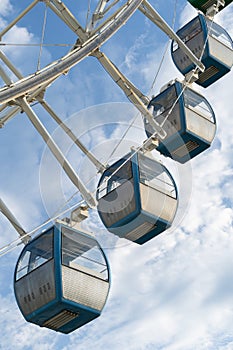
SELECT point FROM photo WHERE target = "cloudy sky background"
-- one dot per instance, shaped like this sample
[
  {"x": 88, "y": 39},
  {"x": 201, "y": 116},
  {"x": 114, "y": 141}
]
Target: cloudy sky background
[{"x": 174, "y": 293}]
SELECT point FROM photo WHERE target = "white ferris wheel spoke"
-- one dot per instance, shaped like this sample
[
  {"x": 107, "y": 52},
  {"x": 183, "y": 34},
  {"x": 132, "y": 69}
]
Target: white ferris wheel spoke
[{"x": 102, "y": 22}]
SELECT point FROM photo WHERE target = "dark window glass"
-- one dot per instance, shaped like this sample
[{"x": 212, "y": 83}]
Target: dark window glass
[
  {"x": 115, "y": 176},
  {"x": 36, "y": 253}
]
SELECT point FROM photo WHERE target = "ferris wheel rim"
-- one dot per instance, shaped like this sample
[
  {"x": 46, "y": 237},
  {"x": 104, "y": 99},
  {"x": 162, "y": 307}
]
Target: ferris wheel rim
[{"x": 47, "y": 75}]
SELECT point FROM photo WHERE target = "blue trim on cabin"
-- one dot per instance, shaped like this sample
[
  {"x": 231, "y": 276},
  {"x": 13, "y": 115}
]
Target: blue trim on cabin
[
  {"x": 192, "y": 65},
  {"x": 207, "y": 59},
  {"x": 31, "y": 242},
  {"x": 161, "y": 225},
  {"x": 179, "y": 139},
  {"x": 58, "y": 304},
  {"x": 53, "y": 308},
  {"x": 172, "y": 143},
  {"x": 222, "y": 70},
  {"x": 174, "y": 184},
  {"x": 81, "y": 233},
  {"x": 135, "y": 177},
  {"x": 136, "y": 181},
  {"x": 57, "y": 256},
  {"x": 179, "y": 88}
]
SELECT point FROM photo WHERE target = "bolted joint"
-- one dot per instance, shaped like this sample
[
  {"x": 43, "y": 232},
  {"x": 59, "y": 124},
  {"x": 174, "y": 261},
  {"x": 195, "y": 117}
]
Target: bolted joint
[
  {"x": 79, "y": 214},
  {"x": 150, "y": 144}
]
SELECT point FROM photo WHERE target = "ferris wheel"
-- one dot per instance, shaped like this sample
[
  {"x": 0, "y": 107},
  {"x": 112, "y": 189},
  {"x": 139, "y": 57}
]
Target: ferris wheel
[{"x": 62, "y": 277}]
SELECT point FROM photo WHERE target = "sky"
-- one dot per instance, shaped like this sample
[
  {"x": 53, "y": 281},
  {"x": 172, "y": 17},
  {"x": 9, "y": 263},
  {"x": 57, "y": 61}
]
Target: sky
[{"x": 176, "y": 291}]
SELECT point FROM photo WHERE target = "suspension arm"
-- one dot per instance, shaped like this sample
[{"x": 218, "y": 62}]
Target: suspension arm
[
  {"x": 139, "y": 100},
  {"x": 153, "y": 15},
  {"x": 60, "y": 9},
  {"x": 100, "y": 167},
  {"x": 87, "y": 196},
  {"x": 8, "y": 214},
  {"x": 17, "y": 19}
]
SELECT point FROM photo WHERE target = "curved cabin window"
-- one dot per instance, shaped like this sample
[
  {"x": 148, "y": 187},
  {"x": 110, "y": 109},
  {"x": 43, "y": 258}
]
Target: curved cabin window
[
  {"x": 38, "y": 252},
  {"x": 198, "y": 104},
  {"x": 217, "y": 32},
  {"x": 116, "y": 175},
  {"x": 154, "y": 175},
  {"x": 166, "y": 110},
  {"x": 188, "y": 32},
  {"x": 163, "y": 103},
  {"x": 83, "y": 253}
]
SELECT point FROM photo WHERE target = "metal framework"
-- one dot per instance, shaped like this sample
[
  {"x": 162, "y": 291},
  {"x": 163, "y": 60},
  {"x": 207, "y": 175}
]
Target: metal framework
[
  {"x": 106, "y": 19},
  {"x": 14, "y": 222}
]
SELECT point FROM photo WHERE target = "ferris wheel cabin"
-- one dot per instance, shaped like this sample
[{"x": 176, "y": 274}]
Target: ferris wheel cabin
[
  {"x": 61, "y": 279},
  {"x": 208, "y": 41},
  {"x": 187, "y": 119},
  {"x": 137, "y": 198},
  {"x": 204, "y": 5}
]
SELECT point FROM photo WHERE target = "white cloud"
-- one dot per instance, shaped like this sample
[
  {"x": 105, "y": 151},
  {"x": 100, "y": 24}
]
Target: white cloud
[
  {"x": 175, "y": 292},
  {"x": 224, "y": 18},
  {"x": 5, "y": 7},
  {"x": 21, "y": 334},
  {"x": 187, "y": 14}
]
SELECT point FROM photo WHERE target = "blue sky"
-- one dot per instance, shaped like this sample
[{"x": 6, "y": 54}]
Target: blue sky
[{"x": 174, "y": 293}]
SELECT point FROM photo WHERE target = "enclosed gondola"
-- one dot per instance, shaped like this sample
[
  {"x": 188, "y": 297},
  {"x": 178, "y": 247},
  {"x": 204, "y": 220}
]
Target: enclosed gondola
[
  {"x": 186, "y": 117},
  {"x": 61, "y": 279},
  {"x": 137, "y": 198},
  {"x": 209, "y": 42},
  {"x": 204, "y": 5}
]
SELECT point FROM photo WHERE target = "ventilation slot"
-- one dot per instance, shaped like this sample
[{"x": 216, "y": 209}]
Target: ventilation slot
[
  {"x": 207, "y": 74},
  {"x": 60, "y": 319},
  {"x": 140, "y": 231},
  {"x": 185, "y": 149}
]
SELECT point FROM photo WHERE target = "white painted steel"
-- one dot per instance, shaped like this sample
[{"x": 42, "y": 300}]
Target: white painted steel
[
  {"x": 132, "y": 93},
  {"x": 89, "y": 41},
  {"x": 21, "y": 15},
  {"x": 9, "y": 215},
  {"x": 100, "y": 167},
  {"x": 87, "y": 196},
  {"x": 57, "y": 68},
  {"x": 153, "y": 15}
]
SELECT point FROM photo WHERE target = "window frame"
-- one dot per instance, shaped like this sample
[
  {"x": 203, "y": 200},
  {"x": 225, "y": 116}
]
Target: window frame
[
  {"x": 78, "y": 266},
  {"x": 27, "y": 249}
]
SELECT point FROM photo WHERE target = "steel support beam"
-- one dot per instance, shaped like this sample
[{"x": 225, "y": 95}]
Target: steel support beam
[
  {"x": 153, "y": 15},
  {"x": 8, "y": 214},
  {"x": 100, "y": 167},
  {"x": 133, "y": 94},
  {"x": 87, "y": 196},
  {"x": 61, "y": 10},
  {"x": 18, "y": 18}
]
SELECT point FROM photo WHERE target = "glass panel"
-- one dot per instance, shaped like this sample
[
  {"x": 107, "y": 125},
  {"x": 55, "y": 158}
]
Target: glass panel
[
  {"x": 198, "y": 104},
  {"x": 163, "y": 103},
  {"x": 122, "y": 175},
  {"x": 35, "y": 254},
  {"x": 188, "y": 32},
  {"x": 83, "y": 253},
  {"x": 216, "y": 31},
  {"x": 166, "y": 111},
  {"x": 114, "y": 178},
  {"x": 154, "y": 175},
  {"x": 22, "y": 267}
]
